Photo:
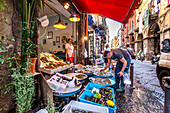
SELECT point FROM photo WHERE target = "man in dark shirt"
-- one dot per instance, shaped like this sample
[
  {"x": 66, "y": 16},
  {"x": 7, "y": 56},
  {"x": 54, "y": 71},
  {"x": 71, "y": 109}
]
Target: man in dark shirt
[{"x": 122, "y": 65}]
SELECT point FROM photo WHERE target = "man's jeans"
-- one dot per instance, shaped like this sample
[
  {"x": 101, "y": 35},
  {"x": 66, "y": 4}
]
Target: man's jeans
[{"x": 117, "y": 78}]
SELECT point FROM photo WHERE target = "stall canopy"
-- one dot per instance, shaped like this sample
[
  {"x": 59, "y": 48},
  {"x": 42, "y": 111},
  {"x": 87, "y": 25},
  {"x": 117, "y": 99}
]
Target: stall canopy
[{"x": 119, "y": 10}]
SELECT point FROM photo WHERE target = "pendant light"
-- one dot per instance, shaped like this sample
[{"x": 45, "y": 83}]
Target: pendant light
[
  {"x": 74, "y": 17},
  {"x": 66, "y": 5},
  {"x": 59, "y": 24}
]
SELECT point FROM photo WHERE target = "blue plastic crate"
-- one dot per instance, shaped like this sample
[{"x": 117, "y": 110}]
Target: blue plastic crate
[
  {"x": 91, "y": 85},
  {"x": 89, "y": 93}
]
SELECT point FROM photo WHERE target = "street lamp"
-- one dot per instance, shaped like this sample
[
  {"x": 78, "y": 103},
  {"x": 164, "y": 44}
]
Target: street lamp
[{"x": 85, "y": 38}]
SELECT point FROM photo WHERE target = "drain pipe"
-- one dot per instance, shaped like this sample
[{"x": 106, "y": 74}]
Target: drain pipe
[{"x": 166, "y": 83}]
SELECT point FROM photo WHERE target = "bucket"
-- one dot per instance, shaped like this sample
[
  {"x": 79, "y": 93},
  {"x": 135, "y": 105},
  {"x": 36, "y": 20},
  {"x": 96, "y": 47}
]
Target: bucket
[{"x": 31, "y": 68}]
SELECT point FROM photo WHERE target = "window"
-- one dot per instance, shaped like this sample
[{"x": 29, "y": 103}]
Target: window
[
  {"x": 132, "y": 25},
  {"x": 127, "y": 29}
]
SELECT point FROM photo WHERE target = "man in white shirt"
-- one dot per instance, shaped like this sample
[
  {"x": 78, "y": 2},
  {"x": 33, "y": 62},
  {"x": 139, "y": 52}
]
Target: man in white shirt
[{"x": 69, "y": 51}]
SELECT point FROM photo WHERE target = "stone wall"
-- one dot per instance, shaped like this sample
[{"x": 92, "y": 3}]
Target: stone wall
[
  {"x": 164, "y": 35},
  {"x": 148, "y": 46},
  {"x": 164, "y": 24},
  {"x": 10, "y": 30}
]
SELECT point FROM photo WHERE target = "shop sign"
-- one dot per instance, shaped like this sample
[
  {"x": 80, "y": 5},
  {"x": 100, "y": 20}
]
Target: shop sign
[
  {"x": 146, "y": 19},
  {"x": 165, "y": 4},
  {"x": 90, "y": 20}
]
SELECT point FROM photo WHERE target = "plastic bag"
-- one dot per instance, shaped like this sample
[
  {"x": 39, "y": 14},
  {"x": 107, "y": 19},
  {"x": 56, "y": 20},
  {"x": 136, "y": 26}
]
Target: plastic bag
[{"x": 126, "y": 79}]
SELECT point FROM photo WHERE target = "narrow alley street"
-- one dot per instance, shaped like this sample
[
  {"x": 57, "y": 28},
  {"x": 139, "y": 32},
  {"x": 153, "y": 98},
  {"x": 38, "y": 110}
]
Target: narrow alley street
[
  {"x": 66, "y": 56},
  {"x": 147, "y": 97},
  {"x": 145, "y": 74}
]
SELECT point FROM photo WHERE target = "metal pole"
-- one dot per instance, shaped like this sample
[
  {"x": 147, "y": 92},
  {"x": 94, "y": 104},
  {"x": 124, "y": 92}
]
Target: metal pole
[
  {"x": 166, "y": 83},
  {"x": 131, "y": 74}
]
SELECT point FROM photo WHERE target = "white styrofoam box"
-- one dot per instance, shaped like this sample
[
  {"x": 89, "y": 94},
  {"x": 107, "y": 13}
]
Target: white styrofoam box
[
  {"x": 42, "y": 111},
  {"x": 85, "y": 107}
]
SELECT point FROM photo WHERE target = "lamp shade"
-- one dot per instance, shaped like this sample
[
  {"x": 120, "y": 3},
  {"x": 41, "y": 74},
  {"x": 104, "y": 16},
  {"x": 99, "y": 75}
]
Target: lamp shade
[
  {"x": 59, "y": 24},
  {"x": 74, "y": 17}
]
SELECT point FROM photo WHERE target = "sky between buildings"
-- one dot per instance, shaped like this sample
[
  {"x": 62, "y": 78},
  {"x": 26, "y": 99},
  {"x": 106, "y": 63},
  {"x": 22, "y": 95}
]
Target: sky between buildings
[{"x": 114, "y": 26}]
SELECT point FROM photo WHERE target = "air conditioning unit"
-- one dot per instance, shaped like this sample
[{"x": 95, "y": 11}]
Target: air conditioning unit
[{"x": 44, "y": 21}]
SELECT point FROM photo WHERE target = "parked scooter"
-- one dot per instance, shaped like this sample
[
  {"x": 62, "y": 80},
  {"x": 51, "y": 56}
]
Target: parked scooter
[
  {"x": 138, "y": 56},
  {"x": 155, "y": 58}
]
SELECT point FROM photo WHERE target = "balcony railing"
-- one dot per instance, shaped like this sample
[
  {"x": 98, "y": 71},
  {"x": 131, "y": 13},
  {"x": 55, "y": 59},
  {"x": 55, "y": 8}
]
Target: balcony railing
[{"x": 131, "y": 32}]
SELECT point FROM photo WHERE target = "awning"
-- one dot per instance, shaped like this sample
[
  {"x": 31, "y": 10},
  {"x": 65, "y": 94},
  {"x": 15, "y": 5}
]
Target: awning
[{"x": 119, "y": 10}]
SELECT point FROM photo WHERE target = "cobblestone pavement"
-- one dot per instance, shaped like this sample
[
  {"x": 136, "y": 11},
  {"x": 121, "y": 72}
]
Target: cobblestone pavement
[{"x": 147, "y": 97}]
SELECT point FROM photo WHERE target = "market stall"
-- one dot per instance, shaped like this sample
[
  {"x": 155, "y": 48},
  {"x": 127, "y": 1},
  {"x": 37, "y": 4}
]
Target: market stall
[
  {"x": 50, "y": 64},
  {"x": 88, "y": 85}
]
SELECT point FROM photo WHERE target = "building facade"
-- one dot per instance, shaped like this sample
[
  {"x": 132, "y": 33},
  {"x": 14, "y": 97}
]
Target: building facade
[{"x": 148, "y": 26}]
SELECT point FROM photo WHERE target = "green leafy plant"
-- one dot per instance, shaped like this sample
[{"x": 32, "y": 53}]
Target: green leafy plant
[
  {"x": 3, "y": 6},
  {"x": 27, "y": 11},
  {"x": 24, "y": 90},
  {"x": 32, "y": 49},
  {"x": 3, "y": 38},
  {"x": 4, "y": 49},
  {"x": 28, "y": 22},
  {"x": 50, "y": 105}
]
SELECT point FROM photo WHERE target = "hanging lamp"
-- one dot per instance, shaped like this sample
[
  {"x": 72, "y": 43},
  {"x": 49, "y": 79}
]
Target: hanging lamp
[
  {"x": 59, "y": 24},
  {"x": 74, "y": 17},
  {"x": 66, "y": 5}
]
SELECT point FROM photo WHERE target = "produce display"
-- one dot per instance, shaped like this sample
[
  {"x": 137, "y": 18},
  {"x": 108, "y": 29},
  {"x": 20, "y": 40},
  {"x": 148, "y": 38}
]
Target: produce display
[
  {"x": 84, "y": 71},
  {"x": 80, "y": 66},
  {"x": 66, "y": 84},
  {"x": 98, "y": 73},
  {"x": 50, "y": 61},
  {"x": 104, "y": 97},
  {"x": 53, "y": 65},
  {"x": 81, "y": 76}
]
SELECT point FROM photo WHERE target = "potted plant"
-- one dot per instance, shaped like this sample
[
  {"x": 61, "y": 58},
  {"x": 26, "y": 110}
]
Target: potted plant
[{"x": 33, "y": 56}]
